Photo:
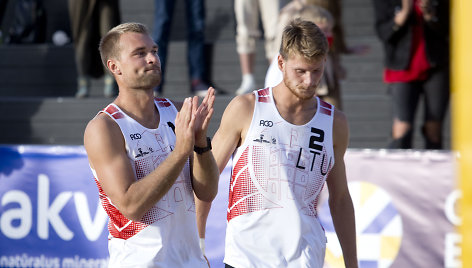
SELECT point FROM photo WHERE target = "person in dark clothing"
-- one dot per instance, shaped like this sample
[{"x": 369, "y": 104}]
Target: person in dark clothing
[
  {"x": 415, "y": 37},
  {"x": 195, "y": 14},
  {"x": 90, "y": 20}
]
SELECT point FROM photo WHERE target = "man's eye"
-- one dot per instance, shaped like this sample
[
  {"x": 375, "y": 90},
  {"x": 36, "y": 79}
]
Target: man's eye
[{"x": 139, "y": 53}]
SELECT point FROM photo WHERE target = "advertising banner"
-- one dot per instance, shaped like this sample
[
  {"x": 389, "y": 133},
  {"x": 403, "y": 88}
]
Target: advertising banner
[
  {"x": 405, "y": 206},
  {"x": 405, "y": 203},
  {"x": 50, "y": 215},
  {"x": 406, "y": 209}
]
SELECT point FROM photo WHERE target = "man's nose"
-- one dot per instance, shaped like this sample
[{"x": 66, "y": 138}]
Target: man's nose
[
  {"x": 153, "y": 58},
  {"x": 310, "y": 79}
]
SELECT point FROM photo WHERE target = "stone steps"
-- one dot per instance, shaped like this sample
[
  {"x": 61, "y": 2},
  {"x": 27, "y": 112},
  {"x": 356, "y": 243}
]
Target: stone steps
[{"x": 38, "y": 81}]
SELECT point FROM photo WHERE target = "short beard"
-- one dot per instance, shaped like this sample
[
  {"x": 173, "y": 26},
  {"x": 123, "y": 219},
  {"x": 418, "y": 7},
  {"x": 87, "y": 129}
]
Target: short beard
[
  {"x": 297, "y": 94},
  {"x": 149, "y": 82}
]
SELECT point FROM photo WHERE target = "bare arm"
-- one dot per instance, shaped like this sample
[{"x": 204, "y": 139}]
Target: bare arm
[
  {"x": 402, "y": 15},
  {"x": 234, "y": 123},
  {"x": 340, "y": 203},
  {"x": 233, "y": 128},
  {"x": 389, "y": 20},
  {"x": 202, "y": 211},
  {"x": 105, "y": 148},
  {"x": 205, "y": 173}
]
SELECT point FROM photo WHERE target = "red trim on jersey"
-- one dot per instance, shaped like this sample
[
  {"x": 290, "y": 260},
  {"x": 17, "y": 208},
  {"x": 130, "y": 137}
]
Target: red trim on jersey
[
  {"x": 264, "y": 95},
  {"x": 325, "y": 108},
  {"x": 111, "y": 109},
  {"x": 114, "y": 112},
  {"x": 263, "y": 92},
  {"x": 162, "y": 102},
  {"x": 117, "y": 115},
  {"x": 118, "y": 226},
  {"x": 325, "y": 104},
  {"x": 264, "y": 99},
  {"x": 325, "y": 111}
]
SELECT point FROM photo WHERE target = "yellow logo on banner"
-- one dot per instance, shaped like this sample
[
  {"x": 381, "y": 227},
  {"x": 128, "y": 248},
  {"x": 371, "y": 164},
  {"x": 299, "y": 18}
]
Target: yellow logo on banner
[{"x": 378, "y": 227}]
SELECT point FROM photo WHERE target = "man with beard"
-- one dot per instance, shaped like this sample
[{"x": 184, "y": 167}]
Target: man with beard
[
  {"x": 285, "y": 143},
  {"x": 140, "y": 152}
]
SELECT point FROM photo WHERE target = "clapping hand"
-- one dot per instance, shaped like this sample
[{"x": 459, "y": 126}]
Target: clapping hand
[
  {"x": 202, "y": 114},
  {"x": 184, "y": 128}
]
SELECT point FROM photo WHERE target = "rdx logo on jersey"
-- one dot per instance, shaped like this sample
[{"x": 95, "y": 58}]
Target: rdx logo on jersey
[
  {"x": 135, "y": 136},
  {"x": 266, "y": 123}
]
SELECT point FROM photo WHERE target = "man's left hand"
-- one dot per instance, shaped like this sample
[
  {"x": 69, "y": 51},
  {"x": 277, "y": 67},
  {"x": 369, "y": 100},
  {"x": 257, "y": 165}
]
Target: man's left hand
[{"x": 203, "y": 114}]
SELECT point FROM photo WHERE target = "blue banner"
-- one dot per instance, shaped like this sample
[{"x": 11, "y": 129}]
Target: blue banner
[{"x": 50, "y": 214}]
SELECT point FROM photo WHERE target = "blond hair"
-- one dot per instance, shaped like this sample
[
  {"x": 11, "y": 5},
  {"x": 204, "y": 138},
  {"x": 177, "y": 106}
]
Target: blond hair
[
  {"x": 109, "y": 44},
  {"x": 304, "y": 38}
]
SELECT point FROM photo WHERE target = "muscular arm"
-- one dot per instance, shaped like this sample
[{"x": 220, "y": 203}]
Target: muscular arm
[
  {"x": 233, "y": 128},
  {"x": 234, "y": 123},
  {"x": 105, "y": 148},
  {"x": 340, "y": 203},
  {"x": 205, "y": 173}
]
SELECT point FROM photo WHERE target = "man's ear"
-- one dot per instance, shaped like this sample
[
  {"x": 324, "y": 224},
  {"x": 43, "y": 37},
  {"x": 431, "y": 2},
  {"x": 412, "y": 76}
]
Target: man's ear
[
  {"x": 113, "y": 67},
  {"x": 280, "y": 62}
]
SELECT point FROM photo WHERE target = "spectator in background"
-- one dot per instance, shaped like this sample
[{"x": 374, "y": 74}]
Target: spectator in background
[
  {"x": 335, "y": 8},
  {"x": 247, "y": 30},
  {"x": 90, "y": 20},
  {"x": 328, "y": 89},
  {"x": 415, "y": 36},
  {"x": 338, "y": 46},
  {"x": 339, "y": 40},
  {"x": 22, "y": 22},
  {"x": 195, "y": 14}
]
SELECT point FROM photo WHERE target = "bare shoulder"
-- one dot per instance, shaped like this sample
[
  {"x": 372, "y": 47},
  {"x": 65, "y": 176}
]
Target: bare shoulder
[
  {"x": 340, "y": 119},
  {"x": 237, "y": 117},
  {"x": 242, "y": 104},
  {"x": 101, "y": 124},
  {"x": 102, "y": 136},
  {"x": 233, "y": 127},
  {"x": 340, "y": 129},
  {"x": 239, "y": 110}
]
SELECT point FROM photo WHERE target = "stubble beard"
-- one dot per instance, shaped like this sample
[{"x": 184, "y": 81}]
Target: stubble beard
[
  {"x": 298, "y": 93},
  {"x": 149, "y": 81}
]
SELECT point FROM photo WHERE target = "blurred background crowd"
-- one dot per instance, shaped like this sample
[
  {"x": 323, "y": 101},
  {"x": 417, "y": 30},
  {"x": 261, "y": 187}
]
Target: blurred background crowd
[{"x": 388, "y": 66}]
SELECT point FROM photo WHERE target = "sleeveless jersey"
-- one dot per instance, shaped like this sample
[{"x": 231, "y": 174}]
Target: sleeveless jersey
[
  {"x": 167, "y": 235},
  {"x": 278, "y": 173}
]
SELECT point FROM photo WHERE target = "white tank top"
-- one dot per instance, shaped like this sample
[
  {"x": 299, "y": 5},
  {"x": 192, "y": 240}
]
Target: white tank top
[
  {"x": 278, "y": 173},
  {"x": 167, "y": 234}
]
